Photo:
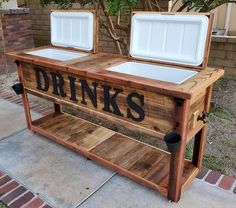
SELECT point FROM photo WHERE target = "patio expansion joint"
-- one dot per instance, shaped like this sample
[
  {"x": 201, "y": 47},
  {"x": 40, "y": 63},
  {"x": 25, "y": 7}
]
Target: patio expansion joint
[
  {"x": 203, "y": 179},
  {"x": 94, "y": 192},
  {"x": 219, "y": 180},
  {"x": 13, "y": 134},
  {"x": 233, "y": 186}
]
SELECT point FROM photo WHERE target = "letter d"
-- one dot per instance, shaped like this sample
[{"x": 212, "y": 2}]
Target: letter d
[{"x": 44, "y": 75}]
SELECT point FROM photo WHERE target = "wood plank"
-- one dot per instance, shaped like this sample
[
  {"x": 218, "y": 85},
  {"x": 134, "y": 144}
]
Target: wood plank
[
  {"x": 94, "y": 66},
  {"x": 115, "y": 120},
  {"x": 132, "y": 155},
  {"x": 95, "y": 138},
  {"x": 186, "y": 183},
  {"x": 108, "y": 145},
  {"x": 113, "y": 152},
  {"x": 159, "y": 109},
  {"x": 190, "y": 172},
  {"x": 81, "y": 132},
  {"x": 159, "y": 171},
  {"x": 143, "y": 165},
  {"x": 41, "y": 121},
  {"x": 141, "y": 162},
  {"x": 54, "y": 122}
]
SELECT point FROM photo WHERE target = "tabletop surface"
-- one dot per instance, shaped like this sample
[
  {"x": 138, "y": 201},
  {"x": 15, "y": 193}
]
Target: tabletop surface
[{"x": 96, "y": 65}]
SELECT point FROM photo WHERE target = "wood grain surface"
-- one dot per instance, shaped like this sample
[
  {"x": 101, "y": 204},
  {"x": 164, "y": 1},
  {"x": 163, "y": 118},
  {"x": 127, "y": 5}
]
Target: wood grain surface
[
  {"x": 159, "y": 109},
  {"x": 95, "y": 65},
  {"x": 141, "y": 162}
]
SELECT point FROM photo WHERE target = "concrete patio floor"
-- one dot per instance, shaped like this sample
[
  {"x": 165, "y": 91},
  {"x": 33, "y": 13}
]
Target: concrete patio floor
[{"x": 66, "y": 179}]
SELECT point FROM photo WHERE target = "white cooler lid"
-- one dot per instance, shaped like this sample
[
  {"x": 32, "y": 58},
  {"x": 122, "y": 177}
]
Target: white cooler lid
[
  {"x": 172, "y": 38},
  {"x": 72, "y": 29}
]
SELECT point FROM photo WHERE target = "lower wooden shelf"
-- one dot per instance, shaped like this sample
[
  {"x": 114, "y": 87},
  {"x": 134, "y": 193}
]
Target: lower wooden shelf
[{"x": 139, "y": 161}]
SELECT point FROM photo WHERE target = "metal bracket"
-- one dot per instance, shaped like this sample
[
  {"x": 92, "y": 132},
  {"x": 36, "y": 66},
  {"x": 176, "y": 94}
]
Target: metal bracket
[
  {"x": 179, "y": 101},
  {"x": 18, "y": 88},
  {"x": 17, "y": 63}
]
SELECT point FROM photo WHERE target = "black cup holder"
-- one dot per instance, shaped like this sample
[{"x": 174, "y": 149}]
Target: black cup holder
[
  {"x": 172, "y": 140},
  {"x": 18, "y": 88}
]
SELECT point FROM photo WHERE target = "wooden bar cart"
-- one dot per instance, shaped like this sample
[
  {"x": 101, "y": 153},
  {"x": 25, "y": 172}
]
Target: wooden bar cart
[{"x": 163, "y": 87}]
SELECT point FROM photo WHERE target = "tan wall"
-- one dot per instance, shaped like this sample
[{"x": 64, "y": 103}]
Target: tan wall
[
  {"x": 220, "y": 13},
  {"x": 219, "y": 21},
  {"x": 223, "y": 55},
  {"x": 232, "y": 25}
]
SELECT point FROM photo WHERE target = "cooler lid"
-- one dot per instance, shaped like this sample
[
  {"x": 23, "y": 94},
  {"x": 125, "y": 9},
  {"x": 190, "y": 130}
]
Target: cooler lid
[
  {"x": 172, "y": 38},
  {"x": 73, "y": 29}
]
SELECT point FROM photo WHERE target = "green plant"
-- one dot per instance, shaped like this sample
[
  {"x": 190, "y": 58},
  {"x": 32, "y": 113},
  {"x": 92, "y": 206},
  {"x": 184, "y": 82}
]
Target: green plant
[
  {"x": 212, "y": 162},
  {"x": 220, "y": 83},
  {"x": 70, "y": 111},
  {"x": 209, "y": 161},
  {"x": 189, "y": 153},
  {"x": 2, "y": 1},
  {"x": 113, "y": 7},
  {"x": 221, "y": 113},
  {"x": 202, "y": 5},
  {"x": 2, "y": 205}
]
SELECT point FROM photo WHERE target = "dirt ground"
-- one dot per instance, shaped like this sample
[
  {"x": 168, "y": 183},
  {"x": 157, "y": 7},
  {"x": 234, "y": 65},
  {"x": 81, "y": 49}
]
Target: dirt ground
[
  {"x": 220, "y": 149},
  {"x": 220, "y": 152}
]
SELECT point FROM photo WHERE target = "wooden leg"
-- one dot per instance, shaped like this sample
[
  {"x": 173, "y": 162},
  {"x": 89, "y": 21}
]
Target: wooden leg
[
  {"x": 57, "y": 108},
  {"x": 25, "y": 99},
  {"x": 175, "y": 175},
  {"x": 27, "y": 109},
  {"x": 177, "y": 159},
  {"x": 200, "y": 137},
  {"x": 172, "y": 177},
  {"x": 198, "y": 149}
]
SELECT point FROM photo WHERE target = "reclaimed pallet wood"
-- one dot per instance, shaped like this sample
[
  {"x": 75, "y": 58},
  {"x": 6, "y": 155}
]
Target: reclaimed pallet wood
[
  {"x": 139, "y": 161},
  {"x": 95, "y": 65},
  {"x": 160, "y": 110}
]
